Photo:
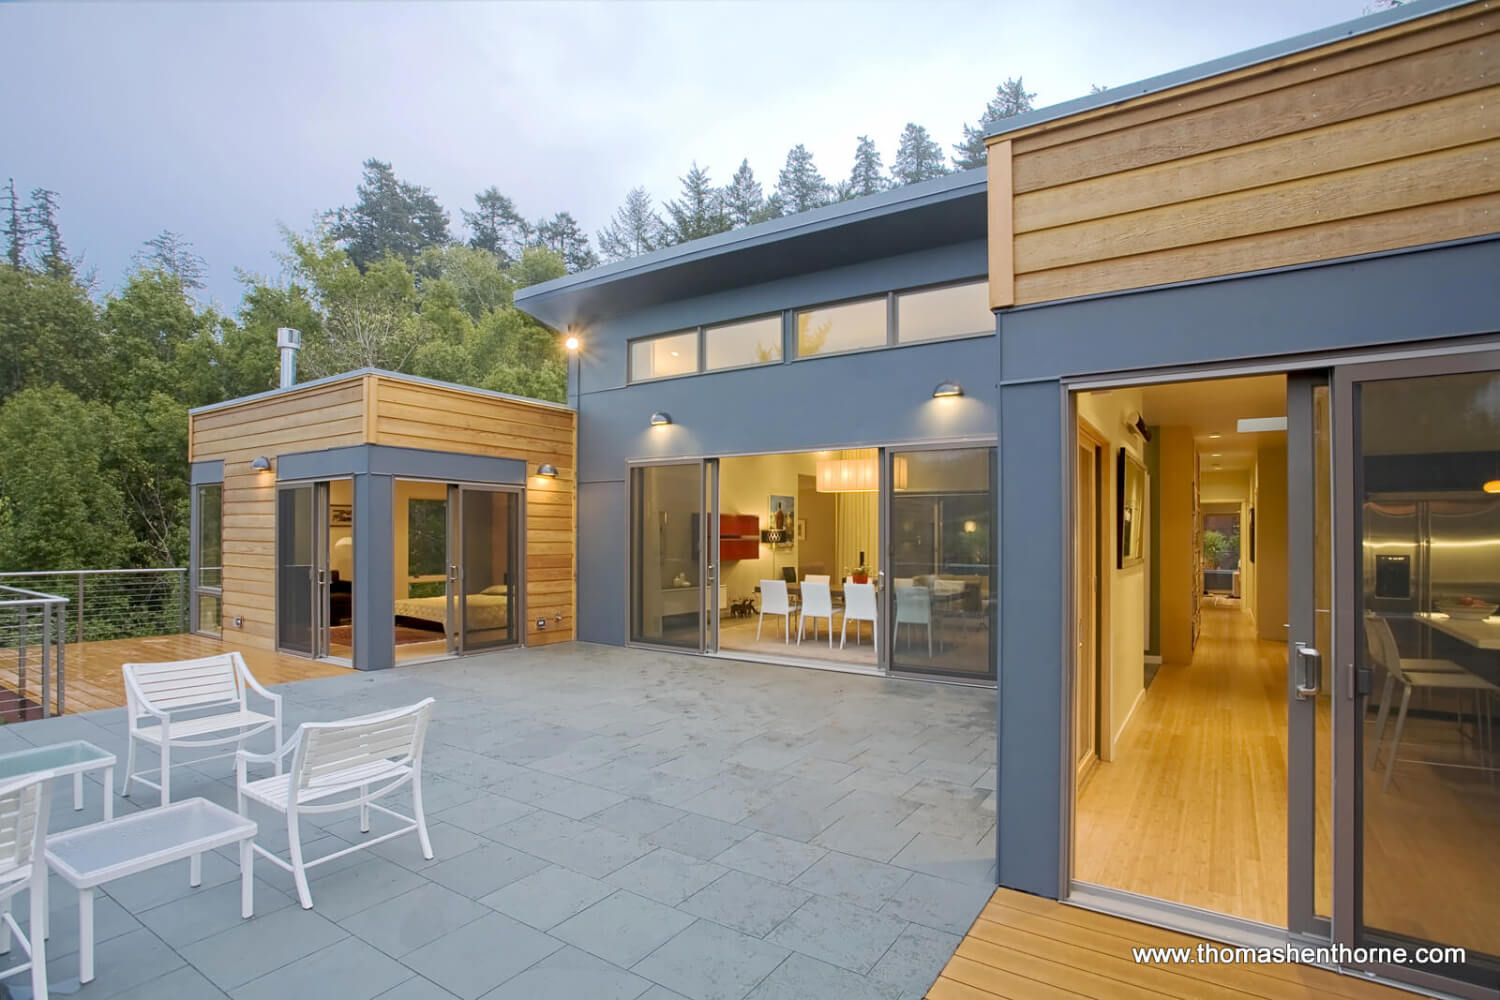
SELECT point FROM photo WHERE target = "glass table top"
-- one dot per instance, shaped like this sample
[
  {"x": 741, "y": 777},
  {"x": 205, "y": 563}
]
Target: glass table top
[{"x": 59, "y": 755}]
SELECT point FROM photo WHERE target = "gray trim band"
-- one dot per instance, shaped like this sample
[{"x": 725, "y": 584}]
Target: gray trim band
[
  {"x": 385, "y": 460},
  {"x": 206, "y": 473}
]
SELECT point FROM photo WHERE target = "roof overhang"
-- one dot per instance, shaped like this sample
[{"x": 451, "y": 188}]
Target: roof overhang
[{"x": 947, "y": 210}]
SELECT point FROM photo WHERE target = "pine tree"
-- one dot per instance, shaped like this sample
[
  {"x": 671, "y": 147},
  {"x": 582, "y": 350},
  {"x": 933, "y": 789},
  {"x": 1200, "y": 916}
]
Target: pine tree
[
  {"x": 700, "y": 211},
  {"x": 800, "y": 185},
  {"x": 43, "y": 226},
  {"x": 1011, "y": 99},
  {"x": 772, "y": 208},
  {"x": 743, "y": 198},
  {"x": 635, "y": 229},
  {"x": 16, "y": 228},
  {"x": 392, "y": 216},
  {"x": 565, "y": 237},
  {"x": 918, "y": 157},
  {"x": 868, "y": 174},
  {"x": 496, "y": 226},
  {"x": 172, "y": 254}
]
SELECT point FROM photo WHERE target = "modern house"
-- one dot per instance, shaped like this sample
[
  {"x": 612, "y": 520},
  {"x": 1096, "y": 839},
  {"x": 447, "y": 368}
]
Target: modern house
[{"x": 1179, "y": 424}]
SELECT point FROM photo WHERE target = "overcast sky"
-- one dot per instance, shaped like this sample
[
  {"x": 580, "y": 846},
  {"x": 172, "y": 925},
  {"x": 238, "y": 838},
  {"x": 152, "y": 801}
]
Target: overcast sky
[{"x": 220, "y": 121}]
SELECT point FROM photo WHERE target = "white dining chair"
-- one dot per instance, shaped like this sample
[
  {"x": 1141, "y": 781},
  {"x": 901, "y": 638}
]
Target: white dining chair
[
  {"x": 914, "y": 607},
  {"x": 24, "y": 811},
  {"x": 774, "y": 600},
  {"x": 817, "y": 602},
  {"x": 859, "y": 606}
]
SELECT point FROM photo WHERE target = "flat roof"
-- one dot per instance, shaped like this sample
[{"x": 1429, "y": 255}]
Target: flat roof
[
  {"x": 360, "y": 372},
  {"x": 944, "y": 210},
  {"x": 1409, "y": 11}
]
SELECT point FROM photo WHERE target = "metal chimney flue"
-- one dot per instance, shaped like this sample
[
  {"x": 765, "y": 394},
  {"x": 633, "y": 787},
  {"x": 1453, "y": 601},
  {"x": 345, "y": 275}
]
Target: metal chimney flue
[{"x": 290, "y": 342}]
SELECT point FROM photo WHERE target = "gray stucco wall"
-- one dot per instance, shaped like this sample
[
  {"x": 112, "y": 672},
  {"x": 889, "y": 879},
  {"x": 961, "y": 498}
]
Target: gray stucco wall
[
  {"x": 1420, "y": 295},
  {"x": 849, "y": 400}
]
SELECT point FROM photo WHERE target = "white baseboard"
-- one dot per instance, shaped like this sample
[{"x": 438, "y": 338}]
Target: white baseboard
[
  {"x": 1120, "y": 733},
  {"x": 1151, "y": 658}
]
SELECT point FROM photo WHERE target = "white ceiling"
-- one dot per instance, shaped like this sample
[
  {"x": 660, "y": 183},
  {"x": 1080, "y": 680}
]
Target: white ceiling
[{"x": 1213, "y": 408}]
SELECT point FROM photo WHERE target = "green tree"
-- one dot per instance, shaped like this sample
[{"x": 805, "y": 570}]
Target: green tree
[
  {"x": 477, "y": 276},
  {"x": 160, "y": 341},
  {"x": 60, "y": 503},
  {"x": 173, "y": 254},
  {"x": 150, "y": 454},
  {"x": 700, "y": 211},
  {"x": 1011, "y": 99},
  {"x": 868, "y": 175},
  {"x": 635, "y": 229},
  {"x": 17, "y": 231},
  {"x": 918, "y": 157},
  {"x": 49, "y": 335},
  {"x": 496, "y": 226},
  {"x": 392, "y": 216},
  {"x": 774, "y": 207},
  {"x": 743, "y": 197},
  {"x": 800, "y": 185},
  {"x": 52, "y": 254},
  {"x": 565, "y": 237}
]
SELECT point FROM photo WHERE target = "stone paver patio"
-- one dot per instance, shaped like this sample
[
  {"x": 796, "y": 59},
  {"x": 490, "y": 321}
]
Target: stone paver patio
[{"x": 608, "y": 824}]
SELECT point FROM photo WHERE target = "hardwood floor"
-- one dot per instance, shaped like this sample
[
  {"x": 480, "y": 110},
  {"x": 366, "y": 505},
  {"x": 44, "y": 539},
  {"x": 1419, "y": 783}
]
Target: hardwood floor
[
  {"x": 1026, "y": 947},
  {"x": 92, "y": 677}
]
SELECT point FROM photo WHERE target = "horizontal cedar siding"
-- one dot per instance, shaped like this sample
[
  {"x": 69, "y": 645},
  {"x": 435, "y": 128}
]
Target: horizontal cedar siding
[
  {"x": 1372, "y": 143},
  {"x": 410, "y": 415}
]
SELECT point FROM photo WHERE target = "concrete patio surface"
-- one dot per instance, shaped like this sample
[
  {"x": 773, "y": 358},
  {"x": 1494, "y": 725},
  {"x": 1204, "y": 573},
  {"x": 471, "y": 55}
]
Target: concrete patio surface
[{"x": 609, "y": 824}]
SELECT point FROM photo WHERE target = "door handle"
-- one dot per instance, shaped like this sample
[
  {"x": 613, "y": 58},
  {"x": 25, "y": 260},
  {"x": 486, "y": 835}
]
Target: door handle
[{"x": 1310, "y": 662}]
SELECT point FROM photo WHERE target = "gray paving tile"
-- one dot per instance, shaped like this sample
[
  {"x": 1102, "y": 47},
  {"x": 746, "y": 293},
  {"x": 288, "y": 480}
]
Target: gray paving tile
[
  {"x": 709, "y": 962},
  {"x": 480, "y": 812},
  {"x": 198, "y": 916},
  {"x": 748, "y": 903},
  {"x": 870, "y": 778},
  {"x": 579, "y": 800},
  {"x": 775, "y": 858},
  {"x": 580, "y": 846},
  {"x": 661, "y": 993},
  {"x": 122, "y": 964},
  {"x": 413, "y": 919},
  {"x": 636, "y": 817},
  {"x": 185, "y": 983},
  {"x": 161, "y": 885},
  {"x": 946, "y": 857},
  {"x": 546, "y": 898},
  {"x": 416, "y": 988},
  {"x": 570, "y": 974},
  {"x": 448, "y": 842},
  {"x": 481, "y": 871},
  {"x": 359, "y": 887},
  {"x": 864, "y": 883},
  {"x": 348, "y": 969},
  {"x": 666, "y": 876},
  {"x": 938, "y": 903},
  {"x": 804, "y": 978},
  {"x": 234, "y": 957},
  {"x": 699, "y": 836},
  {"x": 481, "y": 955},
  {"x": 622, "y": 928},
  {"x": 859, "y": 836},
  {"x": 913, "y": 963},
  {"x": 845, "y": 935}
]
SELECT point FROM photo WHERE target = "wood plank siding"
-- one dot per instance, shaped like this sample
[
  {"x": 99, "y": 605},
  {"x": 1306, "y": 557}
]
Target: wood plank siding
[
  {"x": 1384, "y": 140},
  {"x": 368, "y": 408},
  {"x": 416, "y": 415}
]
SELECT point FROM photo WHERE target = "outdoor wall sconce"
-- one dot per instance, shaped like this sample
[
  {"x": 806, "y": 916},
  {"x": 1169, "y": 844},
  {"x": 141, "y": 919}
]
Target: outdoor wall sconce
[
  {"x": 547, "y": 469},
  {"x": 571, "y": 342},
  {"x": 1493, "y": 486},
  {"x": 947, "y": 390},
  {"x": 261, "y": 464},
  {"x": 660, "y": 418}
]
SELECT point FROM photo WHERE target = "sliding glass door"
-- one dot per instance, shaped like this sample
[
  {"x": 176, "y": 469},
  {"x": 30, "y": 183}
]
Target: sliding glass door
[
  {"x": 669, "y": 563},
  {"x": 940, "y": 569},
  {"x": 487, "y": 570},
  {"x": 302, "y": 569}
]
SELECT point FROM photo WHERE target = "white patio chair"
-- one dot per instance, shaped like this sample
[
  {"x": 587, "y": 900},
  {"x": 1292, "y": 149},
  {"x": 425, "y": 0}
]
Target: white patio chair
[
  {"x": 210, "y": 696},
  {"x": 775, "y": 601},
  {"x": 914, "y": 607},
  {"x": 334, "y": 766},
  {"x": 24, "y": 809},
  {"x": 859, "y": 606},
  {"x": 817, "y": 602},
  {"x": 1382, "y": 647}
]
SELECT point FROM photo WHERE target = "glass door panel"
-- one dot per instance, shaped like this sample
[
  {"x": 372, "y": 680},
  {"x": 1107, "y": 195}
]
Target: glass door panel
[
  {"x": 941, "y": 564},
  {"x": 296, "y": 583},
  {"x": 489, "y": 578},
  {"x": 208, "y": 562},
  {"x": 1419, "y": 482},
  {"x": 667, "y": 566}
]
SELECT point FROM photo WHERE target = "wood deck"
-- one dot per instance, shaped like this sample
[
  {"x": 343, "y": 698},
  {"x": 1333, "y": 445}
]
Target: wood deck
[
  {"x": 92, "y": 677},
  {"x": 1027, "y": 947}
]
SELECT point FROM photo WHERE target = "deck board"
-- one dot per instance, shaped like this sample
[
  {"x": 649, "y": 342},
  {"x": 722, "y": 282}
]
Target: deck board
[
  {"x": 1023, "y": 946},
  {"x": 92, "y": 677}
]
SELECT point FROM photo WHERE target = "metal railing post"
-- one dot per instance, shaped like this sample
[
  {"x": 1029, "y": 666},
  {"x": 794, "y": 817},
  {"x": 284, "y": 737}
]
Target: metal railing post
[
  {"x": 21, "y": 657},
  {"x": 62, "y": 648},
  {"x": 46, "y": 646},
  {"x": 80, "y": 607}
]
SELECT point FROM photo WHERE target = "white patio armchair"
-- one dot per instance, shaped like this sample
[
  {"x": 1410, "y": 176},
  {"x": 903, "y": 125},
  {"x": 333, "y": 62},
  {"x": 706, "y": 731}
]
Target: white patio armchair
[
  {"x": 24, "y": 810},
  {"x": 192, "y": 705},
  {"x": 342, "y": 765}
]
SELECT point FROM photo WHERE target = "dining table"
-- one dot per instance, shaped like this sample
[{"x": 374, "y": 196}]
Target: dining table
[{"x": 1481, "y": 633}]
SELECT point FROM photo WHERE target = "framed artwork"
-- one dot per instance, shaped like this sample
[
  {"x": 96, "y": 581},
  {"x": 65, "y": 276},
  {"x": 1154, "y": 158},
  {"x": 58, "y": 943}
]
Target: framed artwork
[
  {"x": 781, "y": 513},
  {"x": 1131, "y": 513},
  {"x": 340, "y": 515},
  {"x": 1252, "y": 534},
  {"x": 801, "y": 529}
]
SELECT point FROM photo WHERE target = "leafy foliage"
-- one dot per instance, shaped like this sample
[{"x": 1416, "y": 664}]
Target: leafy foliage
[{"x": 392, "y": 216}]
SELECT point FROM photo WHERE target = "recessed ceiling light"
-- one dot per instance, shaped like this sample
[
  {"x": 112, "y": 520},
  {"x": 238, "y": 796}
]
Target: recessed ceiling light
[
  {"x": 1216, "y": 436},
  {"x": 674, "y": 354},
  {"x": 1218, "y": 454}
]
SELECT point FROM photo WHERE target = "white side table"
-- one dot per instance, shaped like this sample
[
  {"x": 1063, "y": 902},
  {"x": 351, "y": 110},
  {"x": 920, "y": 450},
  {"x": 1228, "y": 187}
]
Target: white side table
[
  {"x": 90, "y": 856},
  {"x": 62, "y": 759}
]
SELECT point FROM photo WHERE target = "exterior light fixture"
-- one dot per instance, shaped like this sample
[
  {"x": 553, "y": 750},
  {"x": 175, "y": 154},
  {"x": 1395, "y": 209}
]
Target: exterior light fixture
[
  {"x": 571, "y": 343},
  {"x": 970, "y": 527},
  {"x": 1493, "y": 486},
  {"x": 947, "y": 390},
  {"x": 547, "y": 469},
  {"x": 660, "y": 418},
  {"x": 261, "y": 464}
]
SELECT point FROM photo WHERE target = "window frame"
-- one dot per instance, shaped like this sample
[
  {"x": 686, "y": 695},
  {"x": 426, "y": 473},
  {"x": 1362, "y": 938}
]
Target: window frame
[
  {"x": 630, "y": 373},
  {"x": 797, "y": 354},
  {"x": 918, "y": 290},
  {"x": 779, "y": 316}
]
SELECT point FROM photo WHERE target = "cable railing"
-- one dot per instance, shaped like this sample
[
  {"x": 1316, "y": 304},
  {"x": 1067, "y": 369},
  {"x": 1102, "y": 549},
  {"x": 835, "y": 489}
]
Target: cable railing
[
  {"x": 110, "y": 603},
  {"x": 33, "y": 653}
]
